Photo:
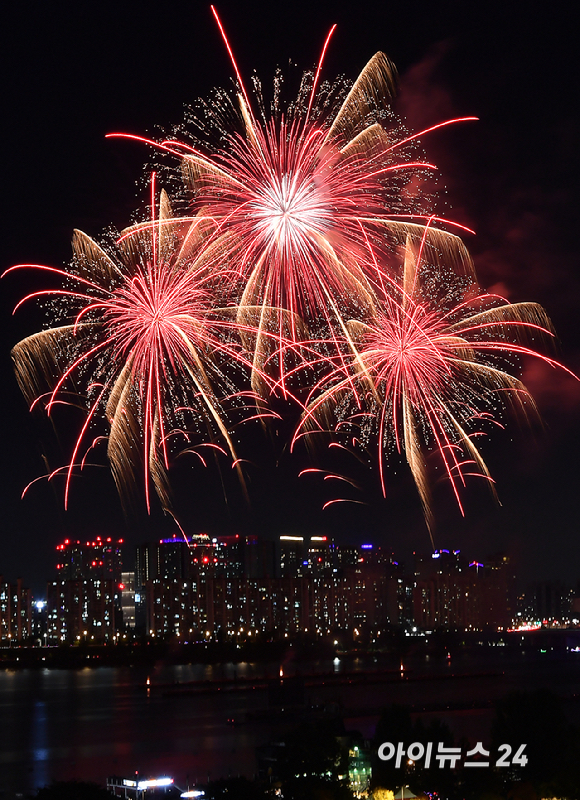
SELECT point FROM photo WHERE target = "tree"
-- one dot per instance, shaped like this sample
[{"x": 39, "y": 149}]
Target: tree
[
  {"x": 537, "y": 720},
  {"x": 315, "y": 765},
  {"x": 395, "y": 725}
]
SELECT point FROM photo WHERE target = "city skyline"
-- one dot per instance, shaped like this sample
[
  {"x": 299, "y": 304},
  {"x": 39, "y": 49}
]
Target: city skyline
[
  {"x": 210, "y": 589},
  {"x": 517, "y": 213},
  {"x": 213, "y": 588}
]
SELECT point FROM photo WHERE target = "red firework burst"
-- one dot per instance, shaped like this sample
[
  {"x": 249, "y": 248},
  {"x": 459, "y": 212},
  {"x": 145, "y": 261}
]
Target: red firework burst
[
  {"x": 295, "y": 218},
  {"x": 146, "y": 328},
  {"x": 305, "y": 204},
  {"x": 420, "y": 377}
]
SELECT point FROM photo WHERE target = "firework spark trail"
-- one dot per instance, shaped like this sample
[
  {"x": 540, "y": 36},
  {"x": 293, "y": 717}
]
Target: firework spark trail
[
  {"x": 426, "y": 378},
  {"x": 148, "y": 324},
  {"x": 303, "y": 206},
  {"x": 283, "y": 268}
]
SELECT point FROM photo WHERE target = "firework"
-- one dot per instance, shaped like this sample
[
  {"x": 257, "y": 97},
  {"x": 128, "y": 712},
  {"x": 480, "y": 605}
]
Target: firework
[
  {"x": 429, "y": 373},
  {"x": 144, "y": 332},
  {"x": 279, "y": 278},
  {"x": 306, "y": 201}
]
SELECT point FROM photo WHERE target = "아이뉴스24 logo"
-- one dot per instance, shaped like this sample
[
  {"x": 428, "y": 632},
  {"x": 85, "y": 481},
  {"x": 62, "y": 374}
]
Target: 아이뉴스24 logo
[{"x": 438, "y": 755}]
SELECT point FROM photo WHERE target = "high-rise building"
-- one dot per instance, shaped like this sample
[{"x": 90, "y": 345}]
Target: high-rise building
[
  {"x": 548, "y": 602},
  {"x": 221, "y": 596},
  {"x": 84, "y": 603},
  {"x": 171, "y": 608},
  {"x": 92, "y": 559},
  {"x": 15, "y": 611},
  {"x": 292, "y": 555},
  {"x": 320, "y": 556},
  {"x": 82, "y": 610},
  {"x": 127, "y": 588},
  {"x": 455, "y": 595}
]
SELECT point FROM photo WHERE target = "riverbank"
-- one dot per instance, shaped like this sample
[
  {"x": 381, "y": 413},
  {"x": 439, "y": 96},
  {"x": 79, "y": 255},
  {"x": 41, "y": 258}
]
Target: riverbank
[{"x": 395, "y": 646}]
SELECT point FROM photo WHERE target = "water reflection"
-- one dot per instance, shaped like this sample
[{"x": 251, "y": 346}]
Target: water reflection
[
  {"x": 39, "y": 741},
  {"x": 89, "y": 723}
]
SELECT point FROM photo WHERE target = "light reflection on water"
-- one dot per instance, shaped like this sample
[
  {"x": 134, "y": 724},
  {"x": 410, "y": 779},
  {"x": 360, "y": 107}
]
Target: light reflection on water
[
  {"x": 39, "y": 740},
  {"x": 89, "y": 723}
]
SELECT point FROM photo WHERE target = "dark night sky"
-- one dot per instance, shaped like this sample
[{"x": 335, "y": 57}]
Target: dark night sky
[{"x": 74, "y": 72}]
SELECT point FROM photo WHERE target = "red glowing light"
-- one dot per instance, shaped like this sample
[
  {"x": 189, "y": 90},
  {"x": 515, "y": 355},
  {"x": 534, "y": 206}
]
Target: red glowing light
[
  {"x": 283, "y": 269},
  {"x": 429, "y": 370},
  {"x": 153, "y": 313}
]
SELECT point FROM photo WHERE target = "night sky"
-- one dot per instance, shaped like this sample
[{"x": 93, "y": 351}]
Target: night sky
[{"x": 73, "y": 73}]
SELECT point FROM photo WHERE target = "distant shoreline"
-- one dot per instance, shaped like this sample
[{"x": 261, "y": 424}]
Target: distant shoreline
[{"x": 439, "y": 645}]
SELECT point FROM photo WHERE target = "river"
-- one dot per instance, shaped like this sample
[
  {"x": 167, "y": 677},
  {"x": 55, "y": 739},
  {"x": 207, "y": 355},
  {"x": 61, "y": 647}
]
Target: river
[{"x": 89, "y": 723}]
